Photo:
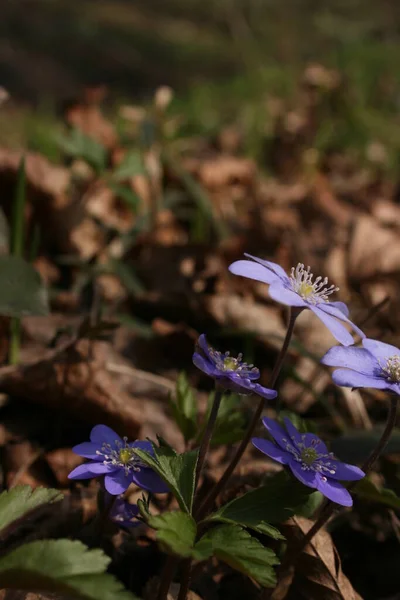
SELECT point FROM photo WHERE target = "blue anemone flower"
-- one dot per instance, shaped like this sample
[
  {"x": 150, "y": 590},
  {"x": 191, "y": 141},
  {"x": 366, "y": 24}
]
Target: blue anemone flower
[
  {"x": 300, "y": 291},
  {"x": 376, "y": 365},
  {"x": 231, "y": 373},
  {"x": 124, "y": 513},
  {"x": 114, "y": 457},
  {"x": 309, "y": 460}
]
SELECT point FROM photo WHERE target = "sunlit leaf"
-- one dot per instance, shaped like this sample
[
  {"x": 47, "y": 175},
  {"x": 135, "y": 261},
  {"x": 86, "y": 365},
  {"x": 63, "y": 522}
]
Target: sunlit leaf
[
  {"x": 177, "y": 470},
  {"x": 21, "y": 500},
  {"x": 62, "y": 567}
]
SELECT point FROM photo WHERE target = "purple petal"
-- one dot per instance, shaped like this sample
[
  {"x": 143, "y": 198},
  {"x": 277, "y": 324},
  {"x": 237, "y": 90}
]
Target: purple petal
[
  {"x": 310, "y": 440},
  {"x": 338, "y": 330},
  {"x": 236, "y": 384},
  {"x": 277, "y": 269},
  {"x": 148, "y": 480},
  {"x": 251, "y": 270},
  {"x": 143, "y": 445},
  {"x": 281, "y": 294},
  {"x": 333, "y": 311},
  {"x": 347, "y": 378},
  {"x": 88, "y": 450},
  {"x": 394, "y": 387},
  {"x": 343, "y": 471},
  {"x": 264, "y": 392},
  {"x": 271, "y": 450},
  {"x": 118, "y": 482},
  {"x": 334, "y": 491},
  {"x": 278, "y": 433},
  {"x": 203, "y": 345},
  {"x": 123, "y": 513},
  {"x": 380, "y": 350},
  {"x": 342, "y": 307},
  {"x": 306, "y": 476},
  {"x": 204, "y": 365},
  {"x": 101, "y": 434},
  {"x": 89, "y": 470},
  {"x": 358, "y": 359},
  {"x": 294, "y": 434}
]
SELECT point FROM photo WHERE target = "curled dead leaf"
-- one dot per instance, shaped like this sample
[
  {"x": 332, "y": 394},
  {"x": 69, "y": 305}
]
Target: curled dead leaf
[{"x": 318, "y": 571}]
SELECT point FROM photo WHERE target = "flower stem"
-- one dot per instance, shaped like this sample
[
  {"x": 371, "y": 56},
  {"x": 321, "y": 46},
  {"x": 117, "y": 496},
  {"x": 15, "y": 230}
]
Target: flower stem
[
  {"x": 185, "y": 581},
  {"x": 166, "y": 577},
  {"x": 366, "y": 467},
  {"x": 171, "y": 562},
  {"x": 207, "y": 435},
  {"x": 220, "y": 485}
]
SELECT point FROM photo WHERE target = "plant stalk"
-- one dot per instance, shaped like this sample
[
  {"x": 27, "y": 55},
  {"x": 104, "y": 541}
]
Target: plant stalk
[
  {"x": 207, "y": 435},
  {"x": 220, "y": 485},
  {"x": 171, "y": 563},
  {"x": 185, "y": 581},
  {"x": 17, "y": 249}
]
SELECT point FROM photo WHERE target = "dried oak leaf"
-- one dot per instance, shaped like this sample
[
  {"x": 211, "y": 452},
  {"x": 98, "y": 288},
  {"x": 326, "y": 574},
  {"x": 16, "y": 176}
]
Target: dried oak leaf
[
  {"x": 319, "y": 573},
  {"x": 373, "y": 250},
  {"x": 235, "y": 311}
]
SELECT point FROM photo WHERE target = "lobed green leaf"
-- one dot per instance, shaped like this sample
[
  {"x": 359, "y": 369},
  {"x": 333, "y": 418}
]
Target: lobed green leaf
[
  {"x": 21, "y": 500},
  {"x": 366, "y": 489},
  {"x": 62, "y": 567},
  {"x": 277, "y": 500},
  {"x": 177, "y": 470},
  {"x": 236, "y": 547}
]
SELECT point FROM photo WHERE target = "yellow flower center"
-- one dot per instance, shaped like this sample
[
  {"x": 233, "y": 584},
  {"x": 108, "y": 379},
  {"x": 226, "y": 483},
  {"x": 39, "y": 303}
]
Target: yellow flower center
[
  {"x": 230, "y": 363},
  {"x": 308, "y": 455},
  {"x": 125, "y": 455},
  {"x": 305, "y": 289}
]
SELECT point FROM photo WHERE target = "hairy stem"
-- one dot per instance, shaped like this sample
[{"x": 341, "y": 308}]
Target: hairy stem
[
  {"x": 221, "y": 484},
  {"x": 207, "y": 435}
]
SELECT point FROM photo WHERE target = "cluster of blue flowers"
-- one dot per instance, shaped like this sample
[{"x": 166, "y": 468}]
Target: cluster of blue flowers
[{"x": 375, "y": 365}]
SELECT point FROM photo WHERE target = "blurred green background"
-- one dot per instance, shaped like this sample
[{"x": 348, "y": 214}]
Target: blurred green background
[{"x": 222, "y": 56}]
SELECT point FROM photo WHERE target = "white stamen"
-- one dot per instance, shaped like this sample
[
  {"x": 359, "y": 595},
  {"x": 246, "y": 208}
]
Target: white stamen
[
  {"x": 225, "y": 362},
  {"x": 121, "y": 455},
  {"x": 314, "y": 292},
  {"x": 391, "y": 370}
]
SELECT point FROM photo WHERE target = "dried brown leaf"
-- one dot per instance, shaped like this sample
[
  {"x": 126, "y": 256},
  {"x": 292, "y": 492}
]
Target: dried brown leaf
[
  {"x": 374, "y": 249},
  {"x": 319, "y": 573}
]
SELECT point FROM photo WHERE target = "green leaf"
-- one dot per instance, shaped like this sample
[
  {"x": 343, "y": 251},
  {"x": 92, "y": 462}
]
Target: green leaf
[
  {"x": 21, "y": 500},
  {"x": 79, "y": 145},
  {"x": 356, "y": 446},
  {"x": 62, "y": 567},
  {"x": 277, "y": 500},
  {"x": 132, "y": 164},
  {"x": 22, "y": 291},
  {"x": 177, "y": 470},
  {"x": 231, "y": 422},
  {"x": 176, "y": 532},
  {"x": 366, "y": 489},
  {"x": 236, "y": 547},
  {"x": 184, "y": 407},
  {"x": 127, "y": 195}
]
